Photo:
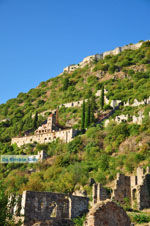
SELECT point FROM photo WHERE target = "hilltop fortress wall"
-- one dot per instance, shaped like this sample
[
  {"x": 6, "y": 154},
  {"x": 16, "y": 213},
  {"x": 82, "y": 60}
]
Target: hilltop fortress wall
[{"x": 97, "y": 57}]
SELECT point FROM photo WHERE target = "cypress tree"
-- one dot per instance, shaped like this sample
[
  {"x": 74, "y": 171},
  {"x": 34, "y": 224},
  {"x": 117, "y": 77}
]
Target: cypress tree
[
  {"x": 87, "y": 114},
  {"x": 83, "y": 116},
  {"x": 65, "y": 84},
  {"x": 92, "y": 110},
  {"x": 35, "y": 122},
  {"x": 102, "y": 98}
]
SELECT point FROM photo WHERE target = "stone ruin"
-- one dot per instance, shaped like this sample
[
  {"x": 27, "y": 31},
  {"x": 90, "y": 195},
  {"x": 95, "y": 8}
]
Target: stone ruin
[
  {"x": 48, "y": 206},
  {"x": 107, "y": 213},
  {"x": 49, "y": 131},
  {"x": 134, "y": 189},
  {"x": 55, "y": 208},
  {"x": 140, "y": 189},
  {"x": 42, "y": 155},
  {"x": 100, "y": 193}
]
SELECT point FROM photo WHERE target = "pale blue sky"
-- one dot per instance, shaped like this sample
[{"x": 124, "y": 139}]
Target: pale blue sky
[{"x": 38, "y": 38}]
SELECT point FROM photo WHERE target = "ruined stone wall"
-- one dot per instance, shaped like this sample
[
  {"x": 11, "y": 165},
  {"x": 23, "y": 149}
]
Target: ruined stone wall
[
  {"x": 100, "y": 193},
  {"x": 122, "y": 189},
  {"x": 134, "y": 189},
  {"x": 137, "y": 103},
  {"x": 78, "y": 206},
  {"x": 115, "y": 103},
  {"x": 42, "y": 206},
  {"x": 144, "y": 193},
  {"x": 140, "y": 189}
]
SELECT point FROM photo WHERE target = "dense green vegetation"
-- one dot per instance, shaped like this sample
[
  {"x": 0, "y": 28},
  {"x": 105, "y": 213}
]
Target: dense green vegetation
[
  {"x": 95, "y": 154},
  {"x": 79, "y": 85}
]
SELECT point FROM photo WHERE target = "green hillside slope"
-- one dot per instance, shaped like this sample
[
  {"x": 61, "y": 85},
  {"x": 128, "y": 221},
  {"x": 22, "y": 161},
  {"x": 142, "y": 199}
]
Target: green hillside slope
[{"x": 98, "y": 153}]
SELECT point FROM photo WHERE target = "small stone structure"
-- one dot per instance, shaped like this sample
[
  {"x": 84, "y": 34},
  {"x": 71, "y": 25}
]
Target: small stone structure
[
  {"x": 138, "y": 119},
  {"x": 133, "y": 189},
  {"x": 45, "y": 206},
  {"x": 121, "y": 118},
  {"x": 71, "y": 68},
  {"x": 41, "y": 155},
  {"x": 107, "y": 213},
  {"x": 47, "y": 133}
]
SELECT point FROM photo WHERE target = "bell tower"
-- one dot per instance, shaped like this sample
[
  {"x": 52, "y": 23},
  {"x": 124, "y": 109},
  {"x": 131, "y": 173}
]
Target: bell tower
[{"x": 51, "y": 122}]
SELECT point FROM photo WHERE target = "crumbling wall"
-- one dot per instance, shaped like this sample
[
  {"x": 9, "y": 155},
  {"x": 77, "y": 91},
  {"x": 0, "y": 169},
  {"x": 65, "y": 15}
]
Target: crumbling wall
[
  {"x": 122, "y": 189},
  {"x": 132, "y": 189},
  {"x": 140, "y": 189},
  {"x": 78, "y": 206},
  {"x": 42, "y": 206},
  {"x": 100, "y": 193},
  {"x": 144, "y": 193}
]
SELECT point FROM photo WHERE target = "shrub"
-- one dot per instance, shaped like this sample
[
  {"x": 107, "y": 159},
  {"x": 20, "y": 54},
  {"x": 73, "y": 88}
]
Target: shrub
[
  {"x": 112, "y": 69},
  {"x": 107, "y": 107},
  {"x": 146, "y": 44},
  {"x": 141, "y": 218},
  {"x": 75, "y": 145},
  {"x": 79, "y": 221}
]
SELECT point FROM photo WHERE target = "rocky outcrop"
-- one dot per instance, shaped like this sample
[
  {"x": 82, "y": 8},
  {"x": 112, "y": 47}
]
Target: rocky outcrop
[{"x": 107, "y": 214}]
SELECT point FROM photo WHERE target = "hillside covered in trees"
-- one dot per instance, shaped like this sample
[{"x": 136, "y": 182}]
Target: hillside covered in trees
[{"x": 99, "y": 151}]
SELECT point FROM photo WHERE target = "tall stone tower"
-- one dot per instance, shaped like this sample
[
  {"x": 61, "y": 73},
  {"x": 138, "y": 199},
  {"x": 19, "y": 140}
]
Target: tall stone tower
[{"x": 51, "y": 122}]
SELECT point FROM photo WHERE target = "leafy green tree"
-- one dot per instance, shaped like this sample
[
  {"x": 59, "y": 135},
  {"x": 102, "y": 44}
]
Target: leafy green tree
[
  {"x": 3, "y": 205},
  {"x": 83, "y": 116},
  {"x": 102, "y": 98},
  {"x": 6, "y": 217}
]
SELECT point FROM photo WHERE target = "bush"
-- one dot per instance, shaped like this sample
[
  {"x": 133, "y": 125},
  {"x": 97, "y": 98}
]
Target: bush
[
  {"x": 107, "y": 107},
  {"x": 141, "y": 218},
  {"x": 146, "y": 44},
  {"x": 79, "y": 221},
  {"x": 112, "y": 69},
  {"x": 75, "y": 145}
]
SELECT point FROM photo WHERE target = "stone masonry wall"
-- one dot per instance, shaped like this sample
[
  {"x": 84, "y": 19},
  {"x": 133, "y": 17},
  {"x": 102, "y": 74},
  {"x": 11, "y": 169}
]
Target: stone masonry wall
[
  {"x": 122, "y": 188},
  {"x": 140, "y": 189},
  {"x": 64, "y": 135},
  {"x": 42, "y": 206},
  {"x": 134, "y": 188},
  {"x": 144, "y": 193},
  {"x": 100, "y": 193}
]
